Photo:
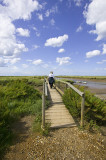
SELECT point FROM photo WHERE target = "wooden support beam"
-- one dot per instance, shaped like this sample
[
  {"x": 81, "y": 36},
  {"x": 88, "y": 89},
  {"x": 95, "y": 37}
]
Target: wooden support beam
[
  {"x": 59, "y": 90},
  {"x": 43, "y": 111},
  {"x": 82, "y": 110},
  {"x": 43, "y": 106}
]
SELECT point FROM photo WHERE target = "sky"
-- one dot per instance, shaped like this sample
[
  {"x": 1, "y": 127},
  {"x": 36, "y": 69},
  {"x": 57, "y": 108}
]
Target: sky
[{"x": 67, "y": 37}]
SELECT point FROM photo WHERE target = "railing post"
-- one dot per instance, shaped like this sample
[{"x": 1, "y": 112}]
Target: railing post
[
  {"x": 66, "y": 85},
  {"x": 46, "y": 89},
  {"x": 82, "y": 110},
  {"x": 58, "y": 84},
  {"x": 43, "y": 106}
]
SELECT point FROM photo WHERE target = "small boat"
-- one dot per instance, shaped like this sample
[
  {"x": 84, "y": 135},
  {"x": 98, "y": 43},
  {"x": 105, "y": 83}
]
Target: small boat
[
  {"x": 78, "y": 81},
  {"x": 84, "y": 82}
]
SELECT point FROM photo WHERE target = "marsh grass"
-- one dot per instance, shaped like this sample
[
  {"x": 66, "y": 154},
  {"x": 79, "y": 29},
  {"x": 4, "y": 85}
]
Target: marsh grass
[
  {"x": 18, "y": 97},
  {"x": 84, "y": 77},
  {"x": 95, "y": 109}
]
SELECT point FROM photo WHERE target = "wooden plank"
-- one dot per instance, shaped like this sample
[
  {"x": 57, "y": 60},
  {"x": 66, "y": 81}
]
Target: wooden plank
[
  {"x": 57, "y": 114},
  {"x": 59, "y": 90}
]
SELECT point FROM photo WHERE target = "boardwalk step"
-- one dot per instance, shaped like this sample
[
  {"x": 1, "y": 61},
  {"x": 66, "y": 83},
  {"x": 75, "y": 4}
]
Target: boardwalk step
[{"x": 57, "y": 115}]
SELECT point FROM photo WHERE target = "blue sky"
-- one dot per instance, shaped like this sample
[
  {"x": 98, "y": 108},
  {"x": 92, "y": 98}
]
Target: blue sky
[{"x": 64, "y": 36}]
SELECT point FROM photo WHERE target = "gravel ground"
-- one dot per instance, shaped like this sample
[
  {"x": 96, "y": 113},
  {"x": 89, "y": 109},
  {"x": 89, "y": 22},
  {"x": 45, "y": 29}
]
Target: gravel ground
[{"x": 61, "y": 144}]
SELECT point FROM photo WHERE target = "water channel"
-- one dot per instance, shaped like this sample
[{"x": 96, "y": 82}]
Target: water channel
[{"x": 96, "y": 87}]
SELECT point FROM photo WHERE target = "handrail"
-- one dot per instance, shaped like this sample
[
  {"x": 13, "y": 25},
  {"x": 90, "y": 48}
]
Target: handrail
[
  {"x": 45, "y": 90},
  {"x": 74, "y": 88},
  {"x": 45, "y": 93},
  {"x": 82, "y": 94}
]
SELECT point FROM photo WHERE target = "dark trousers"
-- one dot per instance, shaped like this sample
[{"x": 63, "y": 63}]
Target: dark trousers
[
  {"x": 51, "y": 85},
  {"x": 51, "y": 81}
]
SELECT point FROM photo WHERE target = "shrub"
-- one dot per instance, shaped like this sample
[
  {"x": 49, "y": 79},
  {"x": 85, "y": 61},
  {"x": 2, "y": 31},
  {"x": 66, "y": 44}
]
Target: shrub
[
  {"x": 95, "y": 109},
  {"x": 17, "y": 98},
  {"x": 72, "y": 101}
]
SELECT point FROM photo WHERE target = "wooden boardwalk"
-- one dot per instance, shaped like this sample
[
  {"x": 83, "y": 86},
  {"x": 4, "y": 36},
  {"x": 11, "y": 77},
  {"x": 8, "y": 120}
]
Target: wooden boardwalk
[{"x": 57, "y": 114}]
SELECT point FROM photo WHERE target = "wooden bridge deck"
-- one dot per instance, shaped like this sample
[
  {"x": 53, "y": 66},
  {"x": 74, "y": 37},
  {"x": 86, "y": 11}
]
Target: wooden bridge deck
[{"x": 57, "y": 114}]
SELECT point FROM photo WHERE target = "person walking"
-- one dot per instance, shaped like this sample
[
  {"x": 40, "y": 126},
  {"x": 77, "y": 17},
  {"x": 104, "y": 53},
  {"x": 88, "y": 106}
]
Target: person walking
[{"x": 51, "y": 79}]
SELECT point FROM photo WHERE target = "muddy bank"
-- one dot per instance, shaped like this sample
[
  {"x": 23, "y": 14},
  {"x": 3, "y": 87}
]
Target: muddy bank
[
  {"x": 100, "y": 93},
  {"x": 91, "y": 80},
  {"x": 95, "y": 86}
]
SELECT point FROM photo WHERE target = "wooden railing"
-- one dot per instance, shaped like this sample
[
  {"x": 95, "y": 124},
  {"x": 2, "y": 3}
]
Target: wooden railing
[
  {"x": 44, "y": 94},
  {"x": 77, "y": 91}
]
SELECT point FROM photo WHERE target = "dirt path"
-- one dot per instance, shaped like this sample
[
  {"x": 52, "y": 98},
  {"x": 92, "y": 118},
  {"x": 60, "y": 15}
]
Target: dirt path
[{"x": 61, "y": 144}]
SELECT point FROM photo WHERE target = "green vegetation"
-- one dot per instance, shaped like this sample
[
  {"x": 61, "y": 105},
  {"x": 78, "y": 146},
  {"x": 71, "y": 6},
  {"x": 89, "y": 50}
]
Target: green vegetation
[
  {"x": 95, "y": 109},
  {"x": 67, "y": 80},
  {"x": 18, "y": 97},
  {"x": 84, "y": 77},
  {"x": 73, "y": 102}
]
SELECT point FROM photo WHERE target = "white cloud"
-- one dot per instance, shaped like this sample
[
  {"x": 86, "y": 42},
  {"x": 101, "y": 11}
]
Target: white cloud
[
  {"x": 14, "y": 60},
  {"x": 23, "y": 32},
  {"x": 61, "y": 50},
  {"x": 8, "y": 43},
  {"x": 29, "y": 60},
  {"x": 5, "y": 61},
  {"x": 95, "y": 14},
  {"x": 78, "y": 2},
  {"x": 69, "y": 3},
  {"x": 20, "y": 9},
  {"x": 7, "y": 29},
  {"x": 25, "y": 65},
  {"x": 9, "y": 47},
  {"x": 37, "y": 62},
  {"x": 52, "y": 22},
  {"x": 79, "y": 29},
  {"x": 45, "y": 66},
  {"x": 104, "y": 49},
  {"x": 92, "y": 53},
  {"x": 37, "y": 34},
  {"x": 53, "y": 10},
  {"x": 104, "y": 60},
  {"x": 2, "y": 62},
  {"x": 36, "y": 31},
  {"x": 57, "y": 41},
  {"x": 63, "y": 60},
  {"x": 9, "y": 12},
  {"x": 34, "y": 28},
  {"x": 15, "y": 68},
  {"x": 101, "y": 62},
  {"x": 40, "y": 17},
  {"x": 86, "y": 61},
  {"x": 36, "y": 46}
]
